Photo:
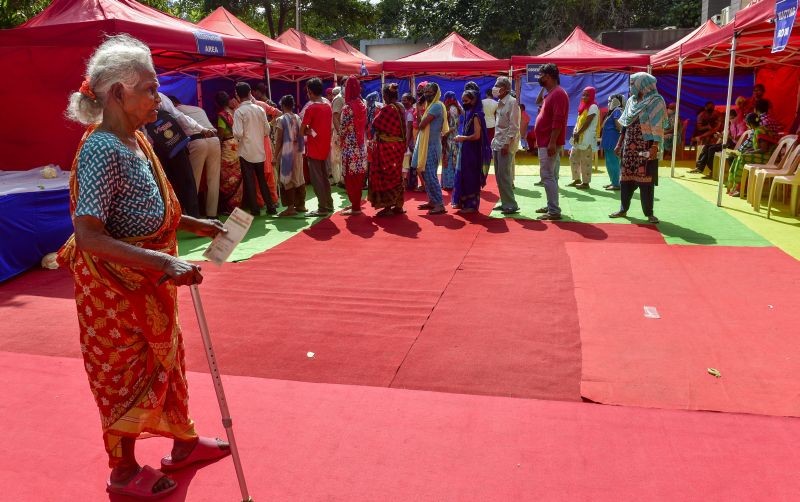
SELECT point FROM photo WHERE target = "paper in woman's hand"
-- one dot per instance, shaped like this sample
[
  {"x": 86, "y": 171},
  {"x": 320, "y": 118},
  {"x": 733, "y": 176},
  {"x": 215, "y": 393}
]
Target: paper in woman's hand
[{"x": 237, "y": 225}]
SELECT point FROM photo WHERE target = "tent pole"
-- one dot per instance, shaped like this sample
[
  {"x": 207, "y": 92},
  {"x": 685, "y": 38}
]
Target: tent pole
[
  {"x": 723, "y": 157},
  {"x": 650, "y": 69},
  {"x": 383, "y": 83},
  {"x": 269, "y": 85},
  {"x": 676, "y": 119},
  {"x": 298, "y": 95},
  {"x": 413, "y": 83}
]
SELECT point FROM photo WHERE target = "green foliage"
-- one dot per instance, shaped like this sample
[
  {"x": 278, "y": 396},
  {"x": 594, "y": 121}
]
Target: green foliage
[{"x": 15, "y": 12}]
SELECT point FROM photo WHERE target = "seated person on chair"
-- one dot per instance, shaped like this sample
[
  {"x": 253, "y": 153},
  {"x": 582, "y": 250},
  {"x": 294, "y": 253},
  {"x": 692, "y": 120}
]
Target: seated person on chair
[
  {"x": 709, "y": 122},
  {"x": 755, "y": 150},
  {"x": 706, "y": 158}
]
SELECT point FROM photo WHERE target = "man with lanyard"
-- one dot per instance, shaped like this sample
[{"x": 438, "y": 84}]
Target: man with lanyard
[
  {"x": 551, "y": 134},
  {"x": 505, "y": 134},
  {"x": 170, "y": 134}
]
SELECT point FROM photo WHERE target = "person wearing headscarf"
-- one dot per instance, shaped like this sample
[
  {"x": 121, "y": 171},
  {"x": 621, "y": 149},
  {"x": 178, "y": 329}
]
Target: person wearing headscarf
[
  {"x": 475, "y": 154},
  {"x": 584, "y": 141},
  {"x": 386, "y": 173},
  {"x": 419, "y": 110},
  {"x": 372, "y": 107},
  {"x": 449, "y": 145},
  {"x": 428, "y": 151},
  {"x": 354, "y": 143},
  {"x": 642, "y": 123},
  {"x": 609, "y": 135},
  {"x": 288, "y": 159}
]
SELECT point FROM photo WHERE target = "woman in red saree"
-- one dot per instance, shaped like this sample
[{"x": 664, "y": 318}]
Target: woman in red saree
[
  {"x": 386, "y": 175},
  {"x": 123, "y": 258}
]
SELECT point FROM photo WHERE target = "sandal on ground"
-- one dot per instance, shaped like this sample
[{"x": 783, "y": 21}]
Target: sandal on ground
[
  {"x": 549, "y": 217},
  {"x": 141, "y": 485},
  {"x": 542, "y": 210},
  {"x": 427, "y": 205},
  {"x": 350, "y": 212},
  {"x": 574, "y": 183},
  {"x": 287, "y": 212},
  {"x": 317, "y": 214},
  {"x": 206, "y": 450},
  {"x": 384, "y": 212},
  {"x": 440, "y": 210},
  {"x": 652, "y": 219},
  {"x": 618, "y": 214}
]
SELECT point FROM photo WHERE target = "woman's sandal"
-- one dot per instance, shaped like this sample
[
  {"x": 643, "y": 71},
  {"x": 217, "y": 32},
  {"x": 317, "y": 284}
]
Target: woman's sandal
[
  {"x": 206, "y": 450},
  {"x": 141, "y": 485}
]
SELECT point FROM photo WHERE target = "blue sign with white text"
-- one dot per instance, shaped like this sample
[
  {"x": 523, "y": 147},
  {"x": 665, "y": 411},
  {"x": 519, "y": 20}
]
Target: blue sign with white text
[
  {"x": 533, "y": 72},
  {"x": 785, "y": 14},
  {"x": 209, "y": 44}
]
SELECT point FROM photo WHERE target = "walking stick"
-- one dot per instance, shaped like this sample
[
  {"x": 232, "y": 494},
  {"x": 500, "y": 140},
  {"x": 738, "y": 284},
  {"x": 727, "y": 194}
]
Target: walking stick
[{"x": 227, "y": 422}]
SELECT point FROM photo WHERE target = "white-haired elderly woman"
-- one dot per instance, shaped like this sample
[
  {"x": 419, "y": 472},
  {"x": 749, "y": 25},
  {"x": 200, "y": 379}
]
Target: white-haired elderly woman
[{"x": 123, "y": 257}]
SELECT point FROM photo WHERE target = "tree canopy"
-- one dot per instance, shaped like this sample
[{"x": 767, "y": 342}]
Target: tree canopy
[{"x": 502, "y": 29}]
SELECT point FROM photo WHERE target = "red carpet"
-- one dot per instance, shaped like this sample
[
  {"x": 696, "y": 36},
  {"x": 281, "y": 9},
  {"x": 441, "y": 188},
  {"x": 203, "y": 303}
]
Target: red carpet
[
  {"x": 361, "y": 304},
  {"x": 311, "y": 442},
  {"x": 733, "y": 309}
]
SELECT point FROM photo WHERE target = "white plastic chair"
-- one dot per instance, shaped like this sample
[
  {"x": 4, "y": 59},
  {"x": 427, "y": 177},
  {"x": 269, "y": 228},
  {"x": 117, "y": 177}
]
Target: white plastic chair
[
  {"x": 789, "y": 168},
  {"x": 775, "y": 161},
  {"x": 793, "y": 180}
]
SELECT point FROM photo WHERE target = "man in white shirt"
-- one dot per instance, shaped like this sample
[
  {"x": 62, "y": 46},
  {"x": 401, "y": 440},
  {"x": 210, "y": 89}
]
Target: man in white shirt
[
  {"x": 489, "y": 111},
  {"x": 505, "y": 134},
  {"x": 204, "y": 154},
  {"x": 250, "y": 127}
]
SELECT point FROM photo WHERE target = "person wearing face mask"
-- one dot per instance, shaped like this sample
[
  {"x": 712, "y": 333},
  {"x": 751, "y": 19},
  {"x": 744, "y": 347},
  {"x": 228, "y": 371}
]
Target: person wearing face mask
[
  {"x": 474, "y": 157},
  {"x": 506, "y": 130},
  {"x": 428, "y": 152},
  {"x": 583, "y": 140},
  {"x": 609, "y": 136},
  {"x": 642, "y": 124},
  {"x": 551, "y": 132},
  {"x": 709, "y": 123}
]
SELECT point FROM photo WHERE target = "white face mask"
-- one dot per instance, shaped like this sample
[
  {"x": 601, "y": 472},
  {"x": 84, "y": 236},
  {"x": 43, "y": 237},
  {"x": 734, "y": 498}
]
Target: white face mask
[{"x": 496, "y": 92}]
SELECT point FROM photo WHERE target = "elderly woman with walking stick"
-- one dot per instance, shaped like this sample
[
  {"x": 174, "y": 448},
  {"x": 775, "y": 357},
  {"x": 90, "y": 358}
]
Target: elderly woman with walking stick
[{"x": 123, "y": 258}]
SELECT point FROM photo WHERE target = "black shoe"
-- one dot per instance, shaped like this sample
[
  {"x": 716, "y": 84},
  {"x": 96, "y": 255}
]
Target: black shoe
[
  {"x": 499, "y": 207},
  {"x": 272, "y": 210},
  {"x": 695, "y": 171},
  {"x": 582, "y": 186},
  {"x": 549, "y": 217},
  {"x": 652, "y": 219},
  {"x": 574, "y": 183},
  {"x": 539, "y": 184},
  {"x": 618, "y": 214},
  {"x": 510, "y": 211},
  {"x": 542, "y": 210}
]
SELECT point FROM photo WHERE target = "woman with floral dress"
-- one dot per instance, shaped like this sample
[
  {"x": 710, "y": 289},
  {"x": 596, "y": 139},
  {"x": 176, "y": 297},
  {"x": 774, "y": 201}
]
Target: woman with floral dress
[{"x": 354, "y": 144}]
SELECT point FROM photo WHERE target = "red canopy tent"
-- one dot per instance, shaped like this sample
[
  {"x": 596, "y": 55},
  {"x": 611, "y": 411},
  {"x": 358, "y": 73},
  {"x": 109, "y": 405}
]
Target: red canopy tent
[
  {"x": 342, "y": 45},
  {"x": 747, "y": 42},
  {"x": 579, "y": 53},
  {"x": 48, "y": 55},
  {"x": 670, "y": 55},
  {"x": 284, "y": 62},
  {"x": 345, "y": 64},
  {"x": 454, "y": 55}
]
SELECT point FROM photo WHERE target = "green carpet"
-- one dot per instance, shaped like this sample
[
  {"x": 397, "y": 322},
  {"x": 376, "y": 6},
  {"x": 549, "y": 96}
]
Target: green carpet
[
  {"x": 686, "y": 217},
  {"x": 265, "y": 232}
]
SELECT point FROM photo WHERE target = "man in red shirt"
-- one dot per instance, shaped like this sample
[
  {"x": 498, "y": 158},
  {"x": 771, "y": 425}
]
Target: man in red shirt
[
  {"x": 317, "y": 123},
  {"x": 551, "y": 132}
]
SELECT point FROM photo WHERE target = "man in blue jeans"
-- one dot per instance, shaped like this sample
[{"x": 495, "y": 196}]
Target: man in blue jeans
[{"x": 551, "y": 133}]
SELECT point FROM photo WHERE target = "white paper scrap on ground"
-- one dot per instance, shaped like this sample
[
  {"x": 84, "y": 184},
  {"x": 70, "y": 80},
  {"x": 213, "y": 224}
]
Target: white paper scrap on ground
[
  {"x": 651, "y": 312},
  {"x": 237, "y": 224},
  {"x": 310, "y": 354}
]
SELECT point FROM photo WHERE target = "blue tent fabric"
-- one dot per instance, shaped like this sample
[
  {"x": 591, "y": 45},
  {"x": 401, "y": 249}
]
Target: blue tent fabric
[
  {"x": 696, "y": 90},
  {"x": 40, "y": 225},
  {"x": 183, "y": 87},
  {"x": 606, "y": 83}
]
